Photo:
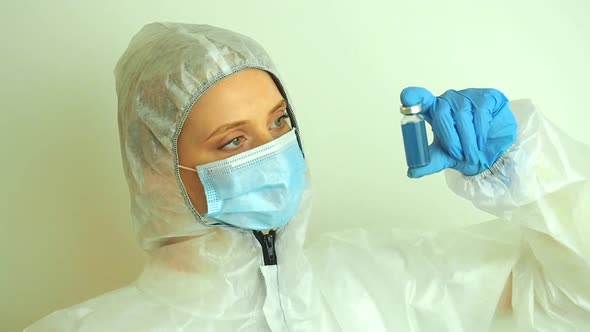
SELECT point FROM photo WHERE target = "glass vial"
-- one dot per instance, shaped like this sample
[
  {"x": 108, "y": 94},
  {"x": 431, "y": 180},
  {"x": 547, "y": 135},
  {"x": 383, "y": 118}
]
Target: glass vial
[{"x": 414, "y": 135}]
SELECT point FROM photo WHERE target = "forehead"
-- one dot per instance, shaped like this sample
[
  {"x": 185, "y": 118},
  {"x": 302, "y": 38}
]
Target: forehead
[
  {"x": 245, "y": 86},
  {"x": 241, "y": 96}
]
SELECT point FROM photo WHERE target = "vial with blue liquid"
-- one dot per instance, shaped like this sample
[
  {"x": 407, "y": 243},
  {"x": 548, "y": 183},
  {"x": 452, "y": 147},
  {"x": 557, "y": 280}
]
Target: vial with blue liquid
[{"x": 414, "y": 135}]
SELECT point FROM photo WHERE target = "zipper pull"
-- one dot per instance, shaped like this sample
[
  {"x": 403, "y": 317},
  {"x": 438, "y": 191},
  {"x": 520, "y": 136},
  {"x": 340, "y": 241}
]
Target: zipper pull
[{"x": 267, "y": 243}]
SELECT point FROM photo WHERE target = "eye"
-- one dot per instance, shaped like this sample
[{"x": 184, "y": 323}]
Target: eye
[
  {"x": 280, "y": 122},
  {"x": 234, "y": 143}
]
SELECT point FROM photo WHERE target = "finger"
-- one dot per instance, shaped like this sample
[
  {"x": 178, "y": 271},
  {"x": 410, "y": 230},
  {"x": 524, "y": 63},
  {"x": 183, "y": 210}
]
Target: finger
[
  {"x": 491, "y": 99},
  {"x": 486, "y": 104},
  {"x": 411, "y": 96},
  {"x": 482, "y": 117},
  {"x": 462, "y": 110},
  {"x": 466, "y": 131},
  {"x": 439, "y": 160},
  {"x": 443, "y": 126},
  {"x": 495, "y": 100}
]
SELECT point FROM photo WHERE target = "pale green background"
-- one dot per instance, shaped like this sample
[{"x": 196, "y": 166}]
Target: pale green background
[{"x": 65, "y": 226}]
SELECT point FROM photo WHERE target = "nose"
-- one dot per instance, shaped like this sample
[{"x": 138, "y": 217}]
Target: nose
[{"x": 263, "y": 137}]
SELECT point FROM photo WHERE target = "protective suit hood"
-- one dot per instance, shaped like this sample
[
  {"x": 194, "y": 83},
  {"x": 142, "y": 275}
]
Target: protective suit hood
[{"x": 164, "y": 71}]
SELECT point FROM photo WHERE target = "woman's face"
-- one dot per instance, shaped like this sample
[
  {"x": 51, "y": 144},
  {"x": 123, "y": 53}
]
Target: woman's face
[{"x": 239, "y": 113}]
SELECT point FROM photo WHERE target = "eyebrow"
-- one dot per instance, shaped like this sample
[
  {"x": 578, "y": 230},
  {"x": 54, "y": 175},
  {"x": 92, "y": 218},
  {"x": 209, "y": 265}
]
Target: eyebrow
[{"x": 232, "y": 125}]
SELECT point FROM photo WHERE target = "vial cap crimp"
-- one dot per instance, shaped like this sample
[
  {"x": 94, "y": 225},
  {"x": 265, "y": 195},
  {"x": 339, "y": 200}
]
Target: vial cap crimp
[{"x": 409, "y": 110}]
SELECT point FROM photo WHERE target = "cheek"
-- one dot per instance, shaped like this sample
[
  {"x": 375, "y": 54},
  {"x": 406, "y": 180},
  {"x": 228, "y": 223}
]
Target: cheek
[{"x": 195, "y": 191}]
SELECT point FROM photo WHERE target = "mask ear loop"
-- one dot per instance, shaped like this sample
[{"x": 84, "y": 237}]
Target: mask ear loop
[{"x": 187, "y": 168}]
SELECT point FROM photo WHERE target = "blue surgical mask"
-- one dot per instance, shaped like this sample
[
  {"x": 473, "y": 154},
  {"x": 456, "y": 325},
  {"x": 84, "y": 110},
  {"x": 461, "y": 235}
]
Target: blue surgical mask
[{"x": 259, "y": 189}]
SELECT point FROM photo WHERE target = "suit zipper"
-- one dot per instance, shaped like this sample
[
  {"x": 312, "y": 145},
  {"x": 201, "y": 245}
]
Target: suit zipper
[{"x": 267, "y": 243}]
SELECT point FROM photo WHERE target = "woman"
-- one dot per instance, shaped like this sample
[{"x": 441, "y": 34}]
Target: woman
[{"x": 220, "y": 199}]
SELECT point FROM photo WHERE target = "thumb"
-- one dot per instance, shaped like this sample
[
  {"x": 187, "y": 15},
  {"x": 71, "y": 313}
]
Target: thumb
[
  {"x": 439, "y": 160},
  {"x": 412, "y": 96}
]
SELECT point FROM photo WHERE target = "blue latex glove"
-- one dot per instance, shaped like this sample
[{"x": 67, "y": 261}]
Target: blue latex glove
[{"x": 472, "y": 128}]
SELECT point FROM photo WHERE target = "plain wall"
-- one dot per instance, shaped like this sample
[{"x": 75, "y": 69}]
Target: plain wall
[{"x": 64, "y": 207}]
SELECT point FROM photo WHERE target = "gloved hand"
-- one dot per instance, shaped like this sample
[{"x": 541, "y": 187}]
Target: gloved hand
[{"x": 472, "y": 128}]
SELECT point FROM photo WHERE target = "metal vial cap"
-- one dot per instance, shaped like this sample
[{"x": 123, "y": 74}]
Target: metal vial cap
[{"x": 410, "y": 110}]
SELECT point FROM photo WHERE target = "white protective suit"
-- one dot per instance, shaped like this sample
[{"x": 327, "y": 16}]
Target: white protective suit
[{"x": 203, "y": 277}]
